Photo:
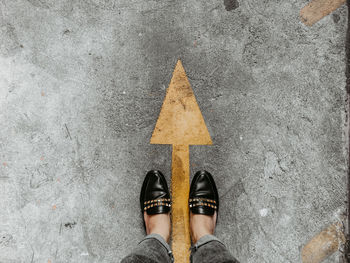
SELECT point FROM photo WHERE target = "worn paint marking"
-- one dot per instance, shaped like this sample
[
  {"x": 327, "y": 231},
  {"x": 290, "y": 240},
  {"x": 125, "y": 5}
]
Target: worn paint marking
[
  {"x": 317, "y": 9},
  {"x": 180, "y": 187},
  {"x": 324, "y": 244},
  {"x": 180, "y": 121},
  {"x": 180, "y": 124}
]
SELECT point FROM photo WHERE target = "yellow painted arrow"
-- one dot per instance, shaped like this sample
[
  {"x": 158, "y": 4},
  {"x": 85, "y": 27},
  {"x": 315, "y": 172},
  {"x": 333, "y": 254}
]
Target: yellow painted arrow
[{"x": 180, "y": 123}]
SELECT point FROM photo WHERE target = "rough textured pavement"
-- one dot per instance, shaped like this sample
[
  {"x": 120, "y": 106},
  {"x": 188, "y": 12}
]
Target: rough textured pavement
[{"x": 81, "y": 86}]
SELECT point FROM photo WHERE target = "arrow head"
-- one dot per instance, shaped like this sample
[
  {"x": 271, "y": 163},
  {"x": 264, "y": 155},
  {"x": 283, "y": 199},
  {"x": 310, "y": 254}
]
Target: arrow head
[{"x": 180, "y": 121}]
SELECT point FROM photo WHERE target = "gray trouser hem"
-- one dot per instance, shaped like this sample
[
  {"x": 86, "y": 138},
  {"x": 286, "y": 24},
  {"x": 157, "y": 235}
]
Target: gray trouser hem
[
  {"x": 204, "y": 240},
  {"x": 210, "y": 249},
  {"x": 162, "y": 241}
]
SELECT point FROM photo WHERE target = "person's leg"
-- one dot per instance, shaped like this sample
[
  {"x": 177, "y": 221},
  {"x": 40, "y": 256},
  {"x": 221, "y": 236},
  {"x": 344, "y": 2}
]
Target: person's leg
[
  {"x": 152, "y": 249},
  {"x": 154, "y": 201},
  {"x": 207, "y": 248},
  {"x": 204, "y": 207}
]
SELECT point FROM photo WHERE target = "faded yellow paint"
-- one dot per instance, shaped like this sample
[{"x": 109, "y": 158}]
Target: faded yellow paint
[
  {"x": 317, "y": 9},
  {"x": 324, "y": 244},
  {"x": 180, "y": 124},
  {"x": 180, "y": 121},
  {"x": 180, "y": 187}
]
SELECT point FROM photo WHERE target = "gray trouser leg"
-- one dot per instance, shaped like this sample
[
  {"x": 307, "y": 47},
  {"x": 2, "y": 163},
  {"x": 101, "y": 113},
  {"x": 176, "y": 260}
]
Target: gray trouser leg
[
  {"x": 209, "y": 249},
  {"x": 152, "y": 249}
]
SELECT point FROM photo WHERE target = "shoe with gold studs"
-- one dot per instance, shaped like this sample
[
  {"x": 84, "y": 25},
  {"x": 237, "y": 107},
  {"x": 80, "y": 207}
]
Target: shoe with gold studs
[{"x": 155, "y": 195}]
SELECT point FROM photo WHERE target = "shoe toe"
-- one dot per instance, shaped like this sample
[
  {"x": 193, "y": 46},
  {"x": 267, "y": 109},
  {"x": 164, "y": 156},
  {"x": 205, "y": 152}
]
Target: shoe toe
[
  {"x": 155, "y": 188},
  {"x": 203, "y": 188}
]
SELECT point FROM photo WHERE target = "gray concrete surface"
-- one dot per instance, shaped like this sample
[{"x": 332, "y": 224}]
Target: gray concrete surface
[{"x": 81, "y": 86}]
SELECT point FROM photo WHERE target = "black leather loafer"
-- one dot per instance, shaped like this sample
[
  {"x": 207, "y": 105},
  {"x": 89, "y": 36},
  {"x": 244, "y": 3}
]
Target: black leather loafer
[
  {"x": 155, "y": 196},
  {"x": 204, "y": 198}
]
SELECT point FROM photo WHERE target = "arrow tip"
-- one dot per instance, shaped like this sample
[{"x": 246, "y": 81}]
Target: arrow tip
[
  {"x": 180, "y": 121},
  {"x": 179, "y": 64}
]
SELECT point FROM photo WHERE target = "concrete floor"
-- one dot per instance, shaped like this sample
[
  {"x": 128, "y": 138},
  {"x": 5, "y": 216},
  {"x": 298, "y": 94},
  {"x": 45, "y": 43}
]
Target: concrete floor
[{"x": 81, "y": 86}]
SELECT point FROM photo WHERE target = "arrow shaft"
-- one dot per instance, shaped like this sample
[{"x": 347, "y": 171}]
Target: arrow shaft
[
  {"x": 180, "y": 123},
  {"x": 180, "y": 187}
]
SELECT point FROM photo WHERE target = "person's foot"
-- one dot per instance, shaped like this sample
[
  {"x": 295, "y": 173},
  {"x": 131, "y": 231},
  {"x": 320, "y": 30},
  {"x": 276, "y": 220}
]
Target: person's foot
[
  {"x": 201, "y": 225},
  {"x": 155, "y": 204},
  {"x": 158, "y": 224},
  {"x": 204, "y": 205}
]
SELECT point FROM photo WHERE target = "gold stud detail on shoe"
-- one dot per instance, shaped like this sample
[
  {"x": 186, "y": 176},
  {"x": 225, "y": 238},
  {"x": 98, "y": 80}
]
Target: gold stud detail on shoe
[{"x": 193, "y": 202}]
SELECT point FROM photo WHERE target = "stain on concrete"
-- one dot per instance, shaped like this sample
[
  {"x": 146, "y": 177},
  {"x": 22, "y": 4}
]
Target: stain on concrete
[
  {"x": 9, "y": 43},
  {"x": 335, "y": 18},
  {"x": 5, "y": 239},
  {"x": 70, "y": 225},
  {"x": 66, "y": 32},
  {"x": 231, "y": 4}
]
